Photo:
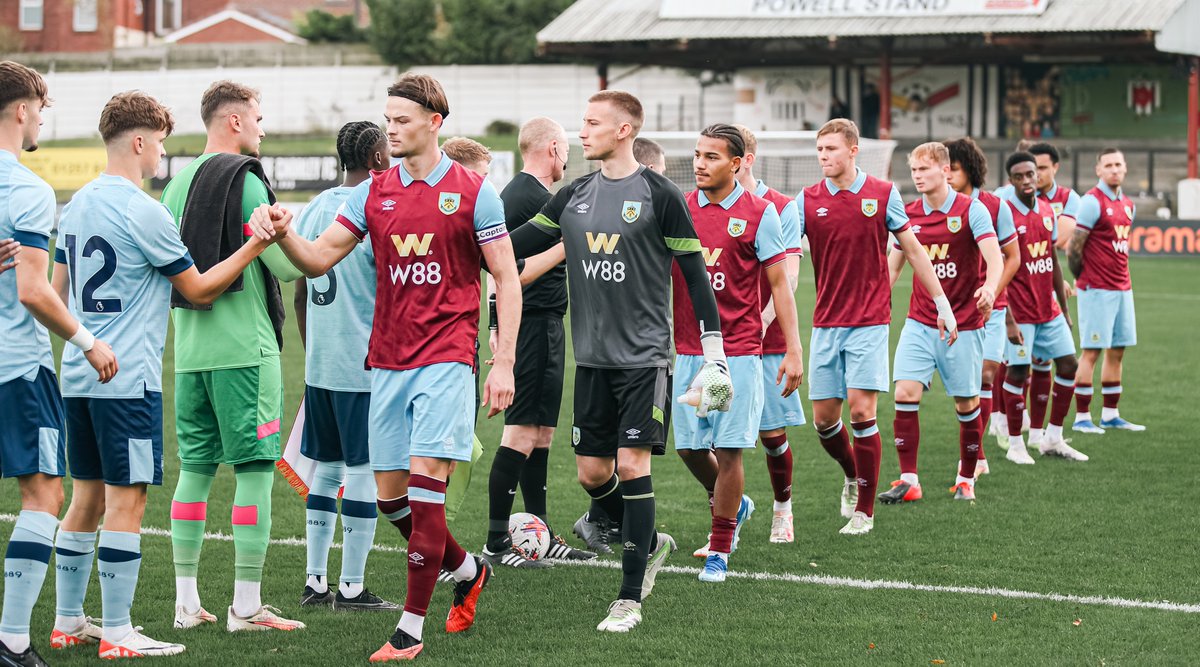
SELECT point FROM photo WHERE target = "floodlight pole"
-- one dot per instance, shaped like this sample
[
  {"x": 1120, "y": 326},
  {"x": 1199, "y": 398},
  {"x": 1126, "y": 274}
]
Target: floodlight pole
[
  {"x": 1193, "y": 126},
  {"x": 885, "y": 90}
]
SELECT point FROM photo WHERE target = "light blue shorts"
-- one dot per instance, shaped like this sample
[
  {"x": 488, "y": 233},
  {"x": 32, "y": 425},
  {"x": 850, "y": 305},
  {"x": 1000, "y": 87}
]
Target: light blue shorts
[
  {"x": 778, "y": 411},
  {"x": 1048, "y": 341},
  {"x": 1106, "y": 319},
  {"x": 427, "y": 411},
  {"x": 920, "y": 352},
  {"x": 995, "y": 336},
  {"x": 841, "y": 358},
  {"x": 736, "y": 429}
]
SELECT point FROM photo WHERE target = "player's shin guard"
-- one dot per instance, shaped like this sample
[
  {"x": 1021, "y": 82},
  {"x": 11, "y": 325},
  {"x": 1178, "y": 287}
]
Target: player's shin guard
[
  {"x": 970, "y": 434},
  {"x": 320, "y": 514},
  {"x": 985, "y": 411},
  {"x": 867, "y": 451},
  {"x": 502, "y": 488},
  {"x": 779, "y": 466},
  {"x": 533, "y": 483},
  {"x": 721, "y": 541},
  {"x": 359, "y": 517},
  {"x": 1039, "y": 395},
  {"x": 251, "y": 532},
  {"x": 398, "y": 512},
  {"x": 836, "y": 442},
  {"x": 638, "y": 535},
  {"x": 1014, "y": 406},
  {"x": 25, "y": 563},
  {"x": 1060, "y": 404},
  {"x": 1111, "y": 392},
  {"x": 1083, "y": 401},
  {"x": 999, "y": 399},
  {"x": 73, "y": 556},
  {"x": 189, "y": 509},
  {"x": 120, "y": 558},
  {"x": 607, "y": 497},
  {"x": 427, "y": 548},
  {"x": 907, "y": 429}
]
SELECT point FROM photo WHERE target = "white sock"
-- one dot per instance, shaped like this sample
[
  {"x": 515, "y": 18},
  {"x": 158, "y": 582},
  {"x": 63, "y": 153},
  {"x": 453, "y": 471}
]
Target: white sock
[
  {"x": 1036, "y": 434},
  {"x": 850, "y": 481},
  {"x": 350, "y": 590},
  {"x": 118, "y": 633},
  {"x": 69, "y": 623},
  {"x": 785, "y": 506},
  {"x": 186, "y": 594},
  {"x": 466, "y": 571},
  {"x": 964, "y": 480},
  {"x": 17, "y": 643},
  {"x": 910, "y": 478},
  {"x": 1107, "y": 414},
  {"x": 412, "y": 624},
  {"x": 247, "y": 599},
  {"x": 1016, "y": 441},
  {"x": 317, "y": 583},
  {"x": 1054, "y": 432},
  {"x": 718, "y": 554}
]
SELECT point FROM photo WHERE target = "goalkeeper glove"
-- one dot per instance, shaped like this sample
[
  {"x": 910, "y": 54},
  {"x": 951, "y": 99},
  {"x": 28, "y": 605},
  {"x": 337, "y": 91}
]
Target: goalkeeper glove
[{"x": 712, "y": 388}]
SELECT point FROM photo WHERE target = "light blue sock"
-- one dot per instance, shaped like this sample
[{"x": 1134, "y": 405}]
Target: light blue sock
[
  {"x": 321, "y": 514},
  {"x": 120, "y": 557},
  {"x": 358, "y": 522},
  {"x": 25, "y": 565},
  {"x": 73, "y": 556}
]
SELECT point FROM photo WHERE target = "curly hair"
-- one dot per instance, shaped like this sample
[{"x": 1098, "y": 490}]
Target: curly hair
[
  {"x": 355, "y": 141},
  {"x": 970, "y": 158}
]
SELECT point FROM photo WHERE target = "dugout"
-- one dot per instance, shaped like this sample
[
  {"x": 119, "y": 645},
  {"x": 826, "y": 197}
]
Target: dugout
[{"x": 1079, "y": 73}]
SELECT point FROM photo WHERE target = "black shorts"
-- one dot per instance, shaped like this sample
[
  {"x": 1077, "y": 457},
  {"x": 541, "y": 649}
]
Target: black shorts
[
  {"x": 621, "y": 407},
  {"x": 541, "y": 355},
  {"x": 336, "y": 425}
]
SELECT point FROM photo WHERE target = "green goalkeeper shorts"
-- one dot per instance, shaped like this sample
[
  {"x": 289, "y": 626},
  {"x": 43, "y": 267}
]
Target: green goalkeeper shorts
[{"x": 231, "y": 415}]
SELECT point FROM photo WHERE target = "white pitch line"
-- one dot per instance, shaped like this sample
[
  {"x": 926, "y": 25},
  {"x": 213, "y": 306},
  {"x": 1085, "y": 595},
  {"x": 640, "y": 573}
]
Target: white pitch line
[{"x": 810, "y": 579}]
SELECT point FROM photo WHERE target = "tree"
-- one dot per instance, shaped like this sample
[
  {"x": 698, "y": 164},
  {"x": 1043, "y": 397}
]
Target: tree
[
  {"x": 321, "y": 26},
  {"x": 401, "y": 31},
  {"x": 497, "y": 31}
]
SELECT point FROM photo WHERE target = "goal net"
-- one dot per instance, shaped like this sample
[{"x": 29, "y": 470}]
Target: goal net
[{"x": 786, "y": 161}]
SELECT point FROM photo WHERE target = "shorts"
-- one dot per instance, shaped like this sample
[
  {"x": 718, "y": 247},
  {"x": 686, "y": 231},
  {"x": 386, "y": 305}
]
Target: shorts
[
  {"x": 32, "y": 434},
  {"x": 841, "y": 358},
  {"x": 778, "y": 411},
  {"x": 231, "y": 415},
  {"x": 621, "y": 407},
  {"x": 427, "y": 411},
  {"x": 735, "y": 429},
  {"x": 995, "y": 336},
  {"x": 1048, "y": 340},
  {"x": 920, "y": 352},
  {"x": 335, "y": 425},
  {"x": 1106, "y": 319},
  {"x": 118, "y": 440},
  {"x": 541, "y": 356}
]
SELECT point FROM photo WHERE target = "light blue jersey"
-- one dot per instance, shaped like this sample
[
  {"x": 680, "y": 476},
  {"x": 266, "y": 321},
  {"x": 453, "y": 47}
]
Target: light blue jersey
[
  {"x": 27, "y": 215},
  {"x": 120, "y": 246},
  {"x": 341, "y": 305}
]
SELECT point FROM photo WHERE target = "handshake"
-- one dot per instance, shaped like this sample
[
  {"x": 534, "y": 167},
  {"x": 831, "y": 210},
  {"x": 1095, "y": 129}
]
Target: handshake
[{"x": 270, "y": 223}]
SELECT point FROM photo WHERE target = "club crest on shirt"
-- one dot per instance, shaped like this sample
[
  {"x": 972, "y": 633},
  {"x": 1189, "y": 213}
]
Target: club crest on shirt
[
  {"x": 1057, "y": 207},
  {"x": 954, "y": 223},
  {"x": 574, "y": 435},
  {"x": 1129, "y": 212},
  {"x": 870, "y": 207},
  {"x": 736, "y": 227},
  {"x": 630, "y": 210},
  {"x": 1048, "y": 222},
  {"x": 448, "y": 202}
]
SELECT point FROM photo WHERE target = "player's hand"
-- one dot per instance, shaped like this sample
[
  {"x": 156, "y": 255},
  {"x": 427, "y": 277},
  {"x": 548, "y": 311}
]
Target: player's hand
[
  {"x": 499, "y": 388},
  {"x": 1069, "y": 288},
  {"x": 102, "y": 359},
  {"x": 793, "y": 369},
  {"x": 281, "y": 218},
  {"x": 985, "y": 298},
  {"x": 948, "y": 331},
  {"x": 9, "y": 249},
  {"x": 1067, "y": 317},
  {"x": 1014, "y": 334},
  {"x": 260, "y": 224},
  {"x": 711, "y": 389}
]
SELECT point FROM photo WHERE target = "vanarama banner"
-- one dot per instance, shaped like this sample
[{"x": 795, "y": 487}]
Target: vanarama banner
[
  {"x": 1165, "y": 238},
  {"x": 812, "y": 9}
]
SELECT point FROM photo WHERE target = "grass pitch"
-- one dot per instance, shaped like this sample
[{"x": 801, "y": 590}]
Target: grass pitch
[{"x": 1119, "y": 527}]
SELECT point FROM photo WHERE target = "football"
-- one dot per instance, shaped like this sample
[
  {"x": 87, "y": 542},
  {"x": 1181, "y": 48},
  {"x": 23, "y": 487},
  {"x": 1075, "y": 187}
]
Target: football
[{"x": 530, "y": 534}]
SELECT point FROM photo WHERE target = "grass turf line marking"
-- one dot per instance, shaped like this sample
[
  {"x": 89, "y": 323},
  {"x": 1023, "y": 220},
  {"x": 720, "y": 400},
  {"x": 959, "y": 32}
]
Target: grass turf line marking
[{"x": 810, "y": 579}]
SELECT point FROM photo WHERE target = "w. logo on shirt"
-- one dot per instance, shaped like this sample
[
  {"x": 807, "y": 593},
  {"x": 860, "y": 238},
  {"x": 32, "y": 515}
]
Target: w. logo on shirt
[
  {"x": 711, "y": 256},
  {"x": 411, "y": 244},
  {"x": 1038, "y": 249},
  {"x": 870, "y": 207},
  {"x": 448, "y": 202},
  {"x": 602, "y": 243}
]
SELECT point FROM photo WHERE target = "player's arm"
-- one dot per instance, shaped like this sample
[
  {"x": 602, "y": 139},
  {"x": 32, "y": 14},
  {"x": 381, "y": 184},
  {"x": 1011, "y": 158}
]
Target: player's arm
[
  {"x": 980, "y": 222},
  {"x": 537, "y": 266},
  {"x": 204, "y": 288},
  {"x": 300, "y": 305},
  {"x": 9, "y": 249},
  {"x": 1060, "y": 287},
  {"x": 1089, "y": 214},
  {"x": 789, "y": 221},
  {"x": 497, "y": 251},
  {"x": 914, "y": 252},
  {"x": 312, "y": 258},
  {"x": 791, "y": 269},
  {"x": 793, "y": 362},
  {"x": 895, "y": 264},
  {"x": 1006, "y": 234},
  {"x": 1013, "y": 331},
  {"x": 1068, "y": 220},
  {"x": 60, "y": 280}
]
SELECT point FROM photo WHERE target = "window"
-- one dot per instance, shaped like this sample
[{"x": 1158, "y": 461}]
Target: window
[
  {"x": 168, "y": 15},
  {"x": 31, "y": 15},
  {"x": 85, "y": 16}
]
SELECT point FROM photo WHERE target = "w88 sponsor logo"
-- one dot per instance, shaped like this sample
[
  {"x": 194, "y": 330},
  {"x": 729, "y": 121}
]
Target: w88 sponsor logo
[
  {"x": 1043, "y": 265},
  {"x": 417, "y": 273},
  {"x": 605, "y": 270},
  {"x": 944, "y": 270}
]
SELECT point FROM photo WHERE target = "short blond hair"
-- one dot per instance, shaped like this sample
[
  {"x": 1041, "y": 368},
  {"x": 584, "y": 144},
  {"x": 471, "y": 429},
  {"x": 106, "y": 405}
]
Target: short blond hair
[
  {"x": 466, "y": 151},
  {"x": 222, "y": 93},
  {"x": 626, "y": 103},
  {"x": 933, "y": 150},
  {"x": 133, "y": 110},
  {"x": 842, "y": 126},
  {"x": 537, "y": 133},
  {"x": 749, "y": 138}
]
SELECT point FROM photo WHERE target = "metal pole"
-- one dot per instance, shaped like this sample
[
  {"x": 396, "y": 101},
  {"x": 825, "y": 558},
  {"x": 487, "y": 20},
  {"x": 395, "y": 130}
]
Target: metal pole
[
  {"x": 885, "y": 91},
  {"x": 1193, "y": 118},
  {"x": 602, "y": 72}
]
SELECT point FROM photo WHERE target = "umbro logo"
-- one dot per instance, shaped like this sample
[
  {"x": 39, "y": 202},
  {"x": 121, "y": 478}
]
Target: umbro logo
[
  {"x": 822, "y": 212},
  {"x": 899, "y": 442},
  {"x": 633, "y": 433},
  {"x": 388, "y": 205},
  {"x": 916, "y": 229},
  {"x": 416, "y": 558},
  {"x": 582, "y": 208},
  {"x": 1021, "y": 229},
  {"x": 630, "y": 546}
]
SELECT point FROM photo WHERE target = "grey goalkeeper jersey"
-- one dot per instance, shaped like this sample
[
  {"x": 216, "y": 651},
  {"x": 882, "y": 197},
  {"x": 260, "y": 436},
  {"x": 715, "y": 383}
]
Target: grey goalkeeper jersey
[{"x": 620, "y": 238}]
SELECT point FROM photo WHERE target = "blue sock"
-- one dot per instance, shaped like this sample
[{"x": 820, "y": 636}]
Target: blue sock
[
  {"x": 358, "y": 522},
  {"x": 120, "y": 557},
  {"x": 321, "y": 514},
  {"x": 73, "y": 555},
  {"x": 25, "y": 565}
]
